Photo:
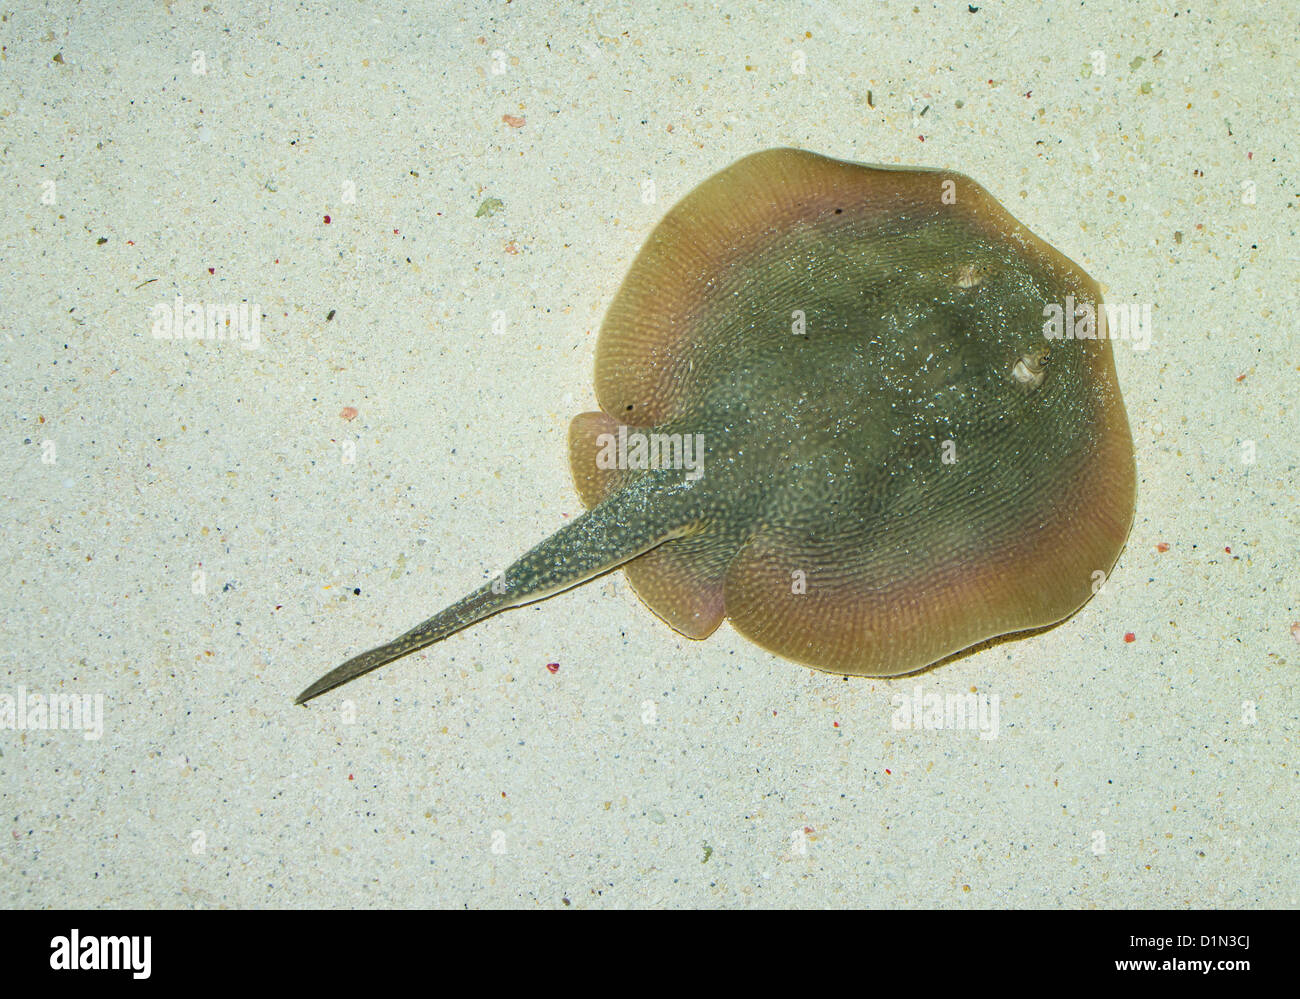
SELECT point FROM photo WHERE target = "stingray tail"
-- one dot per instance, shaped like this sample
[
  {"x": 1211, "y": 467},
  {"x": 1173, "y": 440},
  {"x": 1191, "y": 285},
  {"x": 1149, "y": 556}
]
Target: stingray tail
[{"x": 627, "y": 524}]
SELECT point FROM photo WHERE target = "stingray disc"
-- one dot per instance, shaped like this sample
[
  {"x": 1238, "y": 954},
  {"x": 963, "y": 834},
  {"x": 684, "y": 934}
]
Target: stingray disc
[{"x": 912, "y": 435}]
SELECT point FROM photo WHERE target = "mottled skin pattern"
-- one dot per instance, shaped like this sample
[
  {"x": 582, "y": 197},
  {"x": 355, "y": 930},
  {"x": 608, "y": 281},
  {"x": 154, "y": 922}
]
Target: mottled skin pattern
[{"x": 897, "y": 462}]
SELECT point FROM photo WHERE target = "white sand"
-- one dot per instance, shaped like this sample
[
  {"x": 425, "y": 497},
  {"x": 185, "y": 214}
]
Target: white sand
[{"x": 1124, "y": 773}]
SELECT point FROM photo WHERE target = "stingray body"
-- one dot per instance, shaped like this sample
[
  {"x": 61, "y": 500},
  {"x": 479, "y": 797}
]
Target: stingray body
[{"x": 836, "y": 411}]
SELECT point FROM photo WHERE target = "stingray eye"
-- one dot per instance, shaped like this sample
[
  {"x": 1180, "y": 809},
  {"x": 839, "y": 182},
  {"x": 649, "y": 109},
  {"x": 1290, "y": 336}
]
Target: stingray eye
[
  {"x": 1028, "y": 371},
  {"x": 970, "y": 275}
]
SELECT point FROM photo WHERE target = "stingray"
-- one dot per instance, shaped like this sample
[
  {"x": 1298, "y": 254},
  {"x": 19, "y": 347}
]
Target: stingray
[{"x": 859, "y": 411}]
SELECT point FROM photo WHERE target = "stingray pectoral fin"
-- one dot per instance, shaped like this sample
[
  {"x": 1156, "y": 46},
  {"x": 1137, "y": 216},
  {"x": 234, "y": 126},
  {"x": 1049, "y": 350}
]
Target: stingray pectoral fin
[
  {"x": 627, "y": 524},
  {"x": 680, "y": 581},
  {"x": 591, "y": 435},
  {"x": 881, "y": 576}
]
